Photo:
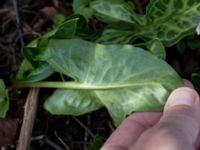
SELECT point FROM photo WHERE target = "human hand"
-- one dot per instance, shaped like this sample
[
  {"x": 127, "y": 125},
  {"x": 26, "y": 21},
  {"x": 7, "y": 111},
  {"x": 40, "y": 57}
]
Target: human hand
[{"x": 177, "y": 128}]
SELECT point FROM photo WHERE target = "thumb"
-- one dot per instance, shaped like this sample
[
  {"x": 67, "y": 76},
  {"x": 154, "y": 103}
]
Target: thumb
[
  {"x": 179, "y": 126},
  {"x": 182, "y": 113}
]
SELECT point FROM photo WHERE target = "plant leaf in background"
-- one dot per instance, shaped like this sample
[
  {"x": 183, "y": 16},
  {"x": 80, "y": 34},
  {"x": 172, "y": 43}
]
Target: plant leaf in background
[
  {"x": 79, "y": 26},
  {"x": 116, "y": 11},
  {"x": 82, "y": 7},
  {"x": 58, "y": 19},
  {"x": 66, "y": 30},
  {"x": 156, "y": 48},
  {"x": 4, "y": 99},
  {"x": 196, "y": 80},
  {"x": 111, "y": 36},
  {"x": 30, "y": 73},
  {"x": 97, "y": 143},
  {"x": 32, "y": 70},
  {"x": 166, "y": 20},
  {"x": 171, "y": 20},
  {"x": 123, "y": 78}
]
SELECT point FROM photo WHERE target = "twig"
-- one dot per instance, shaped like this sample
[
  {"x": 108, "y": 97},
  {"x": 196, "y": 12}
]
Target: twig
[
  {"x": 28, "y": 119},
  {"x": 86, "y": 135},
  {"x": 62, "y": 77},
  {"x": 18, "y": 23},
  {"x": 61, "y": 141},
  {"x": 52, "y": 144},
  {"x": 36, "y": 138},
  {"x": 84, "y": 127},
  {"x": 112, "y": 128}
]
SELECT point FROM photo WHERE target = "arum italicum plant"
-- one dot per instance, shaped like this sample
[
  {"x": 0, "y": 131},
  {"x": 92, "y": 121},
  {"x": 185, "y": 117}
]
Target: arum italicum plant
[{"x": 109, "y": 67}]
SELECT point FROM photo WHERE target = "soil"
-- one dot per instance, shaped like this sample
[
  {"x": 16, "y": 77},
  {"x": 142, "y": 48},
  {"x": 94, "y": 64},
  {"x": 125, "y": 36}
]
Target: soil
[{"x": 34, "y": 18}]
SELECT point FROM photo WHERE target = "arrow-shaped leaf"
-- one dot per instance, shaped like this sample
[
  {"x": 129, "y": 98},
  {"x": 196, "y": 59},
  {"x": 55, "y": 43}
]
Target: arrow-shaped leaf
[{"x": 122, "y": 78}]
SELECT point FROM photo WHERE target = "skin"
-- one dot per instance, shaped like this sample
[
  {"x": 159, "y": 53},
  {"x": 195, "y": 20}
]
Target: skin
[{"x": 177, "y": 128}]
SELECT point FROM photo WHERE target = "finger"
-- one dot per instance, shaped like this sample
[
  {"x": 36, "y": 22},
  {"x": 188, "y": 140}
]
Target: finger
[
  {"x": 130, "y": 130},
  {"x": 179, "y": 126},
  {"x": 187, "y": 83}
]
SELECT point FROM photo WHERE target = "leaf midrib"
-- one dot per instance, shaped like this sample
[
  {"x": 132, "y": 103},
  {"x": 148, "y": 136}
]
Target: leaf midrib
[{"x": 84, "y": 86}]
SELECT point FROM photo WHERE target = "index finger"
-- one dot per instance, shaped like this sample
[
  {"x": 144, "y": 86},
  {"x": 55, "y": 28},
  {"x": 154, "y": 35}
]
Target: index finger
[{"x": 130, "y": 130}]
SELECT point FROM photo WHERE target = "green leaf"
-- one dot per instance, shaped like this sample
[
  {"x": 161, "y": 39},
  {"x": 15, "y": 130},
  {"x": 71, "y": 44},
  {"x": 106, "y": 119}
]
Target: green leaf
[
  {"x": 72, "y": 102},
  {"x": 82, "y": 7},
  {"x": 157, "y": 48},
  {"x": 58, "y": 19},
  {"x": 110, "y": 36},
  {"x": 166, "y": 20},
  {"x": 36, "y": 49},
  {"x": 32, "y": 68},
  {"x": 124, "y": 78},
  {"x": 170, "y": 20},
  {"x": 97, "y": 143},
  {"x": 116, "y": 11},
  {"x": 66, "y": 30},
  {"x": 82, "y": 28},
  {"x": 4, "y": 99},
  {"x": 196, "y": 80},
  {"x": 30, "y": 73}
]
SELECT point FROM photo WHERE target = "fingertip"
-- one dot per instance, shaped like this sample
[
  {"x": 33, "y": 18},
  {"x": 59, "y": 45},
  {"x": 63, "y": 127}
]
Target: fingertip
[
  {"x": 182, "y": 112},
  {"x": 187, "y": 83},
  {"x": 182, "y": 96}
]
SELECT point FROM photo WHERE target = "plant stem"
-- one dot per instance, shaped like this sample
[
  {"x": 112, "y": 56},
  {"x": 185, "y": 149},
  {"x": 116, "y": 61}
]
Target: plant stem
[
  {"x": 79, "y": 86},
  {"x": 47, "y": 84}
]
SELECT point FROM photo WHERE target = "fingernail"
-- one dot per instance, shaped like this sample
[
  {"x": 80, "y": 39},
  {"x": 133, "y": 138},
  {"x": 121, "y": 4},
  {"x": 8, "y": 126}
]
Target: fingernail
[{"x": 182, "y": 96}]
